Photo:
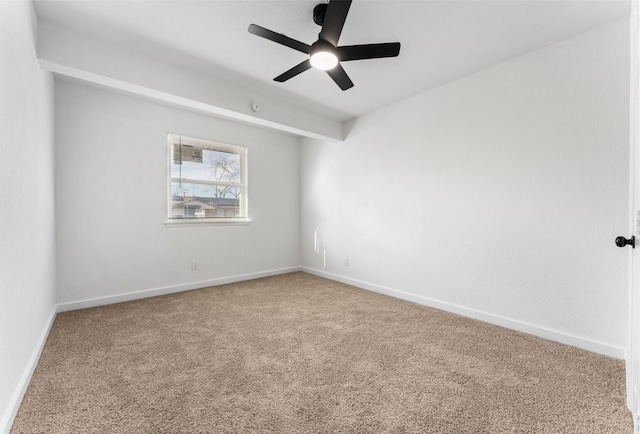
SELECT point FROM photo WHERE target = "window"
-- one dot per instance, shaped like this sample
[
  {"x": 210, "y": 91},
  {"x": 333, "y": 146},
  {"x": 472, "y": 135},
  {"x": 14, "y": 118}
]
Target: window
[{"x": 207, "y": 181}]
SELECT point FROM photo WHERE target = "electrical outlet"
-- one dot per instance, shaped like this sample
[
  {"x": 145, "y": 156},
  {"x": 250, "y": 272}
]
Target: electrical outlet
[
  {"x": 195, "y": 265},
  {"x": 346, "y": 262}
]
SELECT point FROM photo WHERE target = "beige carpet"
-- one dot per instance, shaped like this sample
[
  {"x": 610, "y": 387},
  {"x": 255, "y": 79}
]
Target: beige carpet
[{"x": 299, "y": 354}]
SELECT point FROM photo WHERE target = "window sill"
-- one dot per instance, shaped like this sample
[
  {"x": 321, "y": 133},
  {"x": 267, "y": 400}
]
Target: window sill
[{"x": 174, "y": 223}]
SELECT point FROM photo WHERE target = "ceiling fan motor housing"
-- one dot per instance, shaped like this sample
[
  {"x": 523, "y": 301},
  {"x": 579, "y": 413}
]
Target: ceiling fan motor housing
[{"x": 321, "y": 45}]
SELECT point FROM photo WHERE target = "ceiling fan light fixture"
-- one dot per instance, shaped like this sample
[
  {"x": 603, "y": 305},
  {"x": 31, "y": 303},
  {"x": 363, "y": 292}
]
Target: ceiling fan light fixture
[{"x": 324, "y": 60}]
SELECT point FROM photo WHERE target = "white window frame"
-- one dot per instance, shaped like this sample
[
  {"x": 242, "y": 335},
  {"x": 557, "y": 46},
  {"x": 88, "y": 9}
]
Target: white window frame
[{"x": 177, "y": 139}]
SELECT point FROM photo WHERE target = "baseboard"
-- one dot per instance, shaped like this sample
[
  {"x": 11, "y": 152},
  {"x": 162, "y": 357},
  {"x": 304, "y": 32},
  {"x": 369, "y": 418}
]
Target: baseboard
[
  {"x": 101, "y": 301},
  {"x": 16, "y": 399},
  {"x": 552, "y": 335}
]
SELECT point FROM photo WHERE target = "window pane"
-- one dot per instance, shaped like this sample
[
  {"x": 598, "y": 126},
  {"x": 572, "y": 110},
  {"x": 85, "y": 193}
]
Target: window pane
[
  {"x": 215, "y": 166},
  {"x": 204, "y": 201},
  {"x": 206, "y": 179}
]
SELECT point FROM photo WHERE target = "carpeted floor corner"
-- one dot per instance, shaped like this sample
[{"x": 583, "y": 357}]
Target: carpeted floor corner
[{"x": 300, "y": 354}]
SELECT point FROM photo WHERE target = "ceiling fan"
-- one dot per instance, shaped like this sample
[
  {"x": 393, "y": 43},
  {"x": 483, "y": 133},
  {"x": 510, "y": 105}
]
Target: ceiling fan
[{"x": 324, "y": 54}]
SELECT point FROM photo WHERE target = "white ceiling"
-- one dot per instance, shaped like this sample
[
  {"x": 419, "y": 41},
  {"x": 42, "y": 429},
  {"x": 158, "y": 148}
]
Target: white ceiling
[{"x": 442, "y": 40}]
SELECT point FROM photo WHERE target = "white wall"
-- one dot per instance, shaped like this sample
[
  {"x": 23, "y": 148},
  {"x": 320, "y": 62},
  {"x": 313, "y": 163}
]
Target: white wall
[
  {"x": 111, "y": 168},
  {"x": 497, "y": 196},
  {"x": 27, "y": 264}
]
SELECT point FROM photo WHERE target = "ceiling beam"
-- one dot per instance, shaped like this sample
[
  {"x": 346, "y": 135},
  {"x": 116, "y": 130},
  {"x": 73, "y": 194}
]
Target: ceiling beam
[{"x": 82, "y": 58}]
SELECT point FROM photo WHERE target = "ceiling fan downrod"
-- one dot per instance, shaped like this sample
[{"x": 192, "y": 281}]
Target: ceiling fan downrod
[{"x": 318, "y": 13}]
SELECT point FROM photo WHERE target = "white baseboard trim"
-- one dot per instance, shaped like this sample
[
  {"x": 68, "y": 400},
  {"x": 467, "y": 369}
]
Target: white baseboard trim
[
  {"x": 552, "y": 335},
  {"x": 101, "y": 301},
  {"x": 7, "y": 419}
]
